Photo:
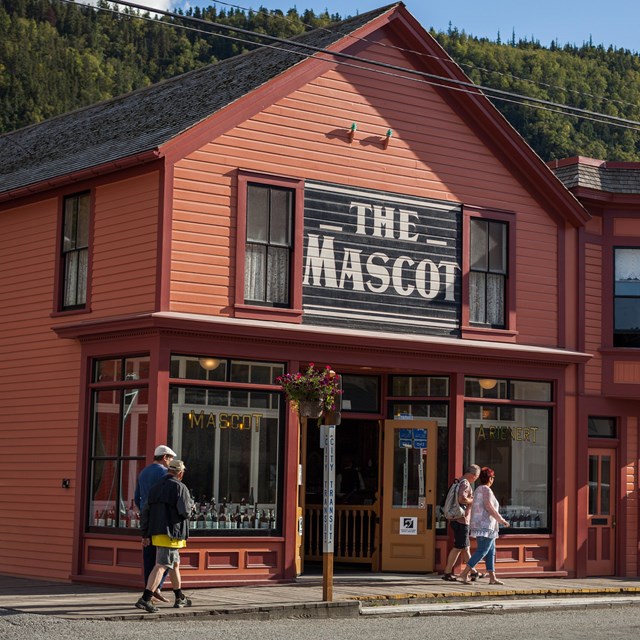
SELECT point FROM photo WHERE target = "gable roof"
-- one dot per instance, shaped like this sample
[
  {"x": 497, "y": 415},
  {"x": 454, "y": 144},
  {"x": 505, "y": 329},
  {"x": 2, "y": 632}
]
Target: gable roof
[
  {"x": 138, "y": 126},
  {"x": 143, "y": 120}
]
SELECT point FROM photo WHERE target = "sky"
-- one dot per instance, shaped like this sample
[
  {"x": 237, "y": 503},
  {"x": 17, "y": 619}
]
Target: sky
[{"x": 608, "y": 22}]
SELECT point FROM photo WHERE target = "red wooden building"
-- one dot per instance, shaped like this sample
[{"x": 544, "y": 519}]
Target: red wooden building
[{"x": 168, "y": 253}]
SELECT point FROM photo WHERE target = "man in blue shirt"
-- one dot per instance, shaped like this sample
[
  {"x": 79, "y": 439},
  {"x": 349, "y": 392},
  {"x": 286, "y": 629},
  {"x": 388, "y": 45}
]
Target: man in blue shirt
[{"x": 151, "y": 474}]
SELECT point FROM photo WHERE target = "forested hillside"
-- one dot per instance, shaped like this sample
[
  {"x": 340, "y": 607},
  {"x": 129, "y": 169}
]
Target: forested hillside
[{"x": 56, "y": 56}]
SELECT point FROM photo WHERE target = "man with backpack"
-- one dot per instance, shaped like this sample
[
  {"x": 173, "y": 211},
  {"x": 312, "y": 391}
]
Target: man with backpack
[{"x": 460, "y": 524}]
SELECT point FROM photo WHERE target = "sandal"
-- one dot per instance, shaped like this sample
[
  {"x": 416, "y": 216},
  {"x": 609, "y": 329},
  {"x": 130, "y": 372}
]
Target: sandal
[
  {"x": 449, "y": 577},
  {"x": 496, "y": 582},
  {"x": 476, "y": 575}
]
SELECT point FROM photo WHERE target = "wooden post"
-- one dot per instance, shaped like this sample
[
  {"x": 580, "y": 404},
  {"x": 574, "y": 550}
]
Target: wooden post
[
  {"x": 328, "y": 443},
  {"x": 327, "y": 577}
]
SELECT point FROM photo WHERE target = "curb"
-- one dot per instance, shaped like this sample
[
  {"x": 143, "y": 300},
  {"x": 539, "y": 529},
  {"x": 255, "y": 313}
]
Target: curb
[
  {"x": 307, "y": 610},
  {"x": 431, "y": 597}
]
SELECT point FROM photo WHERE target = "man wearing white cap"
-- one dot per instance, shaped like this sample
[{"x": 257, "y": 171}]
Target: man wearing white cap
[{"x": 157, "y": 470}]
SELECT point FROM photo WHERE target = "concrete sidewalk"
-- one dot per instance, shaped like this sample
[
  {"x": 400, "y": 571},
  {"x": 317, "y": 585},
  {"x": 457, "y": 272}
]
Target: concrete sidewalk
[{"x": 353, "y": 594}]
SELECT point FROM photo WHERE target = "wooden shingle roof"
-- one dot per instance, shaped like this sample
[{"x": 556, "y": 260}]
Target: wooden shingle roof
[{"x": 143, "y": 120}]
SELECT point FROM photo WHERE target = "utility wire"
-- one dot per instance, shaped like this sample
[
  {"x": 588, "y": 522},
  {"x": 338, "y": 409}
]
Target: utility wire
[
  {"x": 473, "y": 67},
  {"x": 338, "y": 57}
]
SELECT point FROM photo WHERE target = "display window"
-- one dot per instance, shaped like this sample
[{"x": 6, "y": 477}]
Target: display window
[
  {"x": 228, "y": 428},
  {"x": 119, "y": 425},
  {"x": 515, "y": 441}
]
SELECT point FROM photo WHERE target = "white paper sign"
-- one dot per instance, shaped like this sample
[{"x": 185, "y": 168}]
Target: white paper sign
[{"x": 408, "y": 526}]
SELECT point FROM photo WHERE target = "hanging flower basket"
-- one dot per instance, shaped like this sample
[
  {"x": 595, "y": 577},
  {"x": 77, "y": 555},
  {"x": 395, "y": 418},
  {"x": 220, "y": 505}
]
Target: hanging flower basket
[{"x": 312, "y": 391}]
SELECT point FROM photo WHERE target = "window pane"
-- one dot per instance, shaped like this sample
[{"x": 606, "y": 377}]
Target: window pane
[
  {"x": 627, "y": 272},
  {"x": 495, "y": 300},
  {"x": 593, "y": 485},
  {"x": 360, "y": 393},
  {"x": 605, "y": 485},
  {"x": 408, "y": 468},
  {"x": 255, "y": 269},
  {"x": 257, "y": 214},
  {"x": 108, "y": 370},
  {"x": 478, "y": 244},
  {"x": 419, "y": 386},
  {"x": 69, "y": 227},
  {"x": 104, "y": 494},
  {"x": 106, "y": 423},
  {"x": 518, "y": 449},
  {"x": 497, "y": 247},
  {"x": 602, "y": 427},
  {"x": 82, "y": 228},
  {"x": 477, "y": 297},
  {"x": 71, "y": 279},
  {"x": 280, "y": 231},
  {"x": 128, "y": 517},
  {"x": 135, "y": 410},
  {"x": 233, "y": 456},
  {"x": 81, "y": 284},
  {"x": 278, "y": 276},
  {"x": 627, "y": 314},
  {"x": 528, "y": 390},
  {"x": 137, "y": 368}
]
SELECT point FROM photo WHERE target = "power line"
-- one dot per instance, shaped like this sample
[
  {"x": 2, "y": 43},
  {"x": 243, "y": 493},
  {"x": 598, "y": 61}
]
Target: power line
[
  {"x": 262, "y": 11},
  {"x": 390, "y": 69}
]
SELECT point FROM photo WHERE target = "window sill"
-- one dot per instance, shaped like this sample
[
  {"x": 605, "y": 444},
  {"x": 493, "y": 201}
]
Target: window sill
[
  {"x": 275, "y": 314},
  {"x": 69, "y": 312},
  {"x": 494, "y": 335}
]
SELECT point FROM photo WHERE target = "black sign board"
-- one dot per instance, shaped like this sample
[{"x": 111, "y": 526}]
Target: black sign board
[{"x": 382, "y": 261}]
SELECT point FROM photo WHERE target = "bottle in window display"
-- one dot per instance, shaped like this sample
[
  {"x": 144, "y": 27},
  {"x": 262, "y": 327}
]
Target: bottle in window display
[
  {"x": 272, "y": 519},
  {"x": 214, "y": 515},
  {"x": 251, "y": 500},
  {"x": 264, "y": 520},
  {"x": 246, "y": 520},
  {"x": 111, "y": 517},
  {"x": 256, "y": 518},
  {"x": 222, "y": 518},
  {"x": 193, "y": 520},
  {"x": 98, "y": 520}
]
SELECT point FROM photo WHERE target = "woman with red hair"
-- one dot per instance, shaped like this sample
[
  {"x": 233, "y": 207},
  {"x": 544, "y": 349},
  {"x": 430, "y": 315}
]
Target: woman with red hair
[{"x": 485, "y": 520}]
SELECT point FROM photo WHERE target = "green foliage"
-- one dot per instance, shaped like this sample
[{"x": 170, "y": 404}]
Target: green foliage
[
  {"x": 589, "y": 77},
  {"x": 56, "y": 57}
]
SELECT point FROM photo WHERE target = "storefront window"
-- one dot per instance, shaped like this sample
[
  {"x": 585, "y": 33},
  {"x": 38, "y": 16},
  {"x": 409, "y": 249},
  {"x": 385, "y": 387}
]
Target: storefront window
[
  {"x": 230, "y": 437},
  {"x": 515, "y": 443},
  {"x": 119, "y": 423},
  {"x": 360, "y": 394}
]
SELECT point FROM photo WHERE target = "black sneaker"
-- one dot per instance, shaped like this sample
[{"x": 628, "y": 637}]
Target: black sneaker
[
  {"x": 182, "y": 602},
  {"x": 147, "y": 606}
]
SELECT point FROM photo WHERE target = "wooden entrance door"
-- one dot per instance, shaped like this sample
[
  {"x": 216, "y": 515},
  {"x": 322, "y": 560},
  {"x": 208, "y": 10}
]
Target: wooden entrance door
[
  {"x": 601, "y": 550},
  {"x": 408, "y": 495}
]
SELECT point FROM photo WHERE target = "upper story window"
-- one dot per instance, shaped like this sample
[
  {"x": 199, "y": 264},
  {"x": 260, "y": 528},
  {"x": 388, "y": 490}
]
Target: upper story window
[
  {"x": 75, "y": 251},
  {"x": 269, "y": 245},
  {"x": 488, "y": 272},
  {"x": 626, "y": 327}
]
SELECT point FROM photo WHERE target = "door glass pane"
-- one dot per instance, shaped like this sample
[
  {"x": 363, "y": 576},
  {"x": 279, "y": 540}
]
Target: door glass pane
[
  {"x": 593, "y": 485},
  {"x": 408, "y": 469},
  {"x": 605, "y": 485}
]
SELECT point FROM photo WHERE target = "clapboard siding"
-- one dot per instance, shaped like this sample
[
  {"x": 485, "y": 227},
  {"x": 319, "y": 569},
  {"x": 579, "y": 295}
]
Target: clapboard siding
[
  {"x": 124, "y": 266},
  {"x": 593, "y": 317},
  {"x": 432, "y": 153},
  {"x": 39, "y": 412}
]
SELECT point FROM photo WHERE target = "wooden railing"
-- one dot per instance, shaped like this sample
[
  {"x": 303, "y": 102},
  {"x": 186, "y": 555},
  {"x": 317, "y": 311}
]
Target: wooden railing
[{"x": 356, "y": 534}]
